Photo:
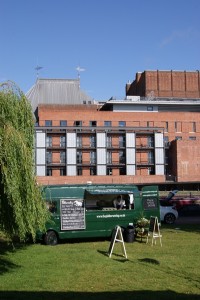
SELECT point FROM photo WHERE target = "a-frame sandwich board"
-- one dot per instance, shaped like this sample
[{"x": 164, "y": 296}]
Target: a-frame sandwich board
[{"x": 117, "y": 237}]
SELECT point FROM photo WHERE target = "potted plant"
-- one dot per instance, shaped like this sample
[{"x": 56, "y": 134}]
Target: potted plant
[{"x": 142, "y": 227}]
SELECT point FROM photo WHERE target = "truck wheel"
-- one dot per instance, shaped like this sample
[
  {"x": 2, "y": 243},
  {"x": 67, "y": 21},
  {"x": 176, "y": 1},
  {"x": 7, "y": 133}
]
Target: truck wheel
[
  {"x": 51, "y": 238},
  {"x": 169, "y": 218}
]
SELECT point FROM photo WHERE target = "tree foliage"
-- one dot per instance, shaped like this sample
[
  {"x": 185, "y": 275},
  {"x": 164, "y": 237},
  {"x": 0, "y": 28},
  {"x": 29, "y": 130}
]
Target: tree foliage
[{"x": 22, "y": 210}]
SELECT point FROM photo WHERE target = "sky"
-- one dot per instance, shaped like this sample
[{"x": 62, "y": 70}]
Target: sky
[{"x": 110, "y": 40}]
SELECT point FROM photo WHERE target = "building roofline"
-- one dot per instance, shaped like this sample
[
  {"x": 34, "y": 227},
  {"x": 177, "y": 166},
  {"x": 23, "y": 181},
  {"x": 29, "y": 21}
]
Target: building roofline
[{"x": 183, "y": 101}]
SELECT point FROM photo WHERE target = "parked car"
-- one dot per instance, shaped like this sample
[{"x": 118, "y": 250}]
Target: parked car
[
  {"x": 192, "y": 209},
  {"x": 168, "y": 212},
  {"x": 185, "y": 205}
]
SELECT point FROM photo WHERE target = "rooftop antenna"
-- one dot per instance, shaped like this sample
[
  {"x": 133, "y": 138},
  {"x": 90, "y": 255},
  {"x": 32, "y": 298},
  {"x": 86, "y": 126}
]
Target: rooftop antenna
[
  {"x": 38, "y": 68},
  {"x": 79, "y": 70}
]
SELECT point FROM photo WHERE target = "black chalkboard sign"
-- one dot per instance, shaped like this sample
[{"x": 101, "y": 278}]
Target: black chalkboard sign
[
  {"x": 153, "y": 221},
  {"x": 150, "y": 203},
  {"x": 72, "y": 214}
]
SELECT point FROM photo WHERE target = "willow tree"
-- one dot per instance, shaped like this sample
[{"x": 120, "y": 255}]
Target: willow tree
[{"x": 22, "y": 210}]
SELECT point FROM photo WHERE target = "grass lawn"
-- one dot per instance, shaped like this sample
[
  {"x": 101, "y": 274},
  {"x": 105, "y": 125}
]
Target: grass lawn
[{"x": 83, "y": 270}]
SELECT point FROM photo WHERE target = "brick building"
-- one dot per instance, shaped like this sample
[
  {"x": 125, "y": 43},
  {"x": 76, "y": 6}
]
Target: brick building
[
  {"x": 151, "y": 136},
  {"x": 170, "y": 84}
]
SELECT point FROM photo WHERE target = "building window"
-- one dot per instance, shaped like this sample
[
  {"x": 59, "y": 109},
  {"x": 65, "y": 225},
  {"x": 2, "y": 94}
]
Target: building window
[
  {"x": 63, "y": 172},
  {"x": 107, "y": 123},
  {"x": 63, "y": 123},
  {"x": 150, "y": 123},
  {"x": 122, "y": 141},
  {"x": 150, "y": 141},
  {"x": 109, "y": 141},
  {"x": 63, "y": 157},
  {"x": 109, "y": 157},
  {"x": 49, "y": 141},
  {"x": 178, "y": 138},
  {"x": 122, "y": 171},
  {"x": 49, "y": 157},
  {"x": 192, "y": 127},
  {"x": 109, "y": 171},
  {"x": 93, "y": 157},
  {"x": 178, "y": 126},
  {"x": 48, "y": 123},
  {"x": 192, "y": 138},
  {"x": 122, "y": 123},
  {"x": 122, "y": 157},
  {"x": 79, "y": 157},
  {"x": 150, "y": 157},
  {"x": 151, "y": 170},
  {"x": 79, "y": 171},
  {"x": 166, "y": 141},
  {"x": 149, "y": 108},
  {"x": 62, "y": 141},
  {"x": 93, "y": 123},
  {"x": 49, "y": 172},
  {"x": 166, "y": 126},
  {"x": 78, "y": 123},
  {"x": 79, "y": 141},
  {"x": 93, "y": 171},
  {"x": 93, "y": 141}
]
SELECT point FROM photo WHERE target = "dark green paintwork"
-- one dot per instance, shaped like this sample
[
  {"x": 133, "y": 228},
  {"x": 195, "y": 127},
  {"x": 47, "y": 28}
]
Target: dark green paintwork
[{"x": 98, "y": 222}]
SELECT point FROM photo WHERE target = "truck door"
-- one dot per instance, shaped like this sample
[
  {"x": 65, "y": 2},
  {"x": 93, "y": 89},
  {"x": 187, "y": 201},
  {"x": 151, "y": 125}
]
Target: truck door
[{"x": 150, "y": 201}]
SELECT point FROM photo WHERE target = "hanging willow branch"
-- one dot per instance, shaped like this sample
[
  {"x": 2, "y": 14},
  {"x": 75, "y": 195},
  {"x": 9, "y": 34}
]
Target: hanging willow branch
[{"x": 22, "y": 210}]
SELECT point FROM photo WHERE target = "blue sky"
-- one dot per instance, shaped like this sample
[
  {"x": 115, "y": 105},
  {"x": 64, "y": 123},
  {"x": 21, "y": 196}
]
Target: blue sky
[{"x": 111, "y": 39}]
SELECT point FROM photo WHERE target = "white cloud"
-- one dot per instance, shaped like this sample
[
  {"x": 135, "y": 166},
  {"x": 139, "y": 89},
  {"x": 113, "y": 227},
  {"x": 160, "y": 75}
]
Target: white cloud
[{"x": 178, "y": 35}]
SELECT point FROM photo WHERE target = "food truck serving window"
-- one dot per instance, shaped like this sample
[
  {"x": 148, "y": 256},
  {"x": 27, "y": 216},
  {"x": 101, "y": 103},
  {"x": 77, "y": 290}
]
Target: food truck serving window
[{"x": 107, "y": 199}]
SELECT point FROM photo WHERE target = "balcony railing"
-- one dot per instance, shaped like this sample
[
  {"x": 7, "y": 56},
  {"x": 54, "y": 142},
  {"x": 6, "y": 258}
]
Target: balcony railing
[{"x": 55, "y": 146}]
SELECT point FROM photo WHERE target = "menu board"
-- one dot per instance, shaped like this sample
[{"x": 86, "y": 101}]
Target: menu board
[
  {"x": 150, "y": 198},
  {"x": 72, "y": 214},
  {"x": 150, "y": 203},
  {"x": 152, "y": 224}
]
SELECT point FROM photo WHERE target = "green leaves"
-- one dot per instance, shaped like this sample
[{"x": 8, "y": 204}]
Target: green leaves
[{"x": 22, "y": 210}]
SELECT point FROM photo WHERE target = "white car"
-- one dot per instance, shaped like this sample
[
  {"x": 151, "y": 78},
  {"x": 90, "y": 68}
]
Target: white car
[{"x": 168, "y": 212}]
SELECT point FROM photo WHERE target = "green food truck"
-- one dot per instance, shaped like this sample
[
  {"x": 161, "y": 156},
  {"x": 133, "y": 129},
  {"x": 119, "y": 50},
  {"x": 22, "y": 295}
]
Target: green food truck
[{"x": 83, "y": 211}]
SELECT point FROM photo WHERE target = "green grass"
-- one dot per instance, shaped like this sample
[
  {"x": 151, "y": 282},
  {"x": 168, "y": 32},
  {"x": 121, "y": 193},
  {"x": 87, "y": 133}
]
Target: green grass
[{"x": 83, "y": 270}]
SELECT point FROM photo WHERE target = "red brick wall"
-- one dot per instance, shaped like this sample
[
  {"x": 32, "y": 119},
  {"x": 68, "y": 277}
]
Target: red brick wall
[
  {"x": 184, "y": 120},
  {"x": 101, "y": 179},
  {"x": 188, "y": 161},
  {"x": 177, "y": 84}
]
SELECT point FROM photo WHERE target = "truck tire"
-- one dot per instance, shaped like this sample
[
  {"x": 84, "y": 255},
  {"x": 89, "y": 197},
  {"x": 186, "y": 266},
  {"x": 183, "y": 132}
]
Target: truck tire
[{"x": 51, "y": 238}]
